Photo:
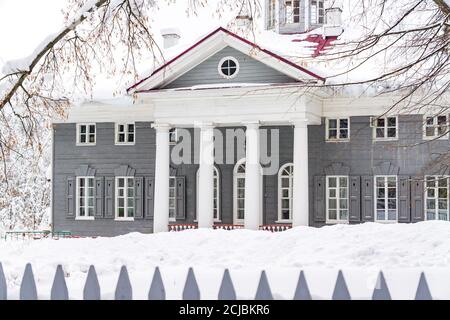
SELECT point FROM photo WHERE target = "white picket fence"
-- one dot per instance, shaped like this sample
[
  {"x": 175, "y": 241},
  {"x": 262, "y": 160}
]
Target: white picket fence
[{"x": 191, "y": 291}]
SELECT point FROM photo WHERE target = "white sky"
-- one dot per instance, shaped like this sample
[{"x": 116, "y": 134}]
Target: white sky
[{"x": 25, "y": 23}]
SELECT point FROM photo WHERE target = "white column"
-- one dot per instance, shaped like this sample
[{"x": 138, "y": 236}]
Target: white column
[
  {"x": 205, "y": 214},
  {"x": 300, "y": 201},
  {"x": 161, "y": 195},
  {"x": 252, "y": 210},
  {"x": 307, "y": 14}
]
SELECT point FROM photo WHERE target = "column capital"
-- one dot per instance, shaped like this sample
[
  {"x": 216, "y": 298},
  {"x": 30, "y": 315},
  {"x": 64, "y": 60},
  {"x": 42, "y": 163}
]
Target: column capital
[
  {"x": 300, "y": 123},
  {"x": 204, "y": 125},
  {"x": 252, "y": 124},
  {"x": 161, "y": 126}
]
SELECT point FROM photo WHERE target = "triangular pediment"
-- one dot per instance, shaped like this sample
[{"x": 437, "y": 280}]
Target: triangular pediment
[{"x": 222, "y": 40}]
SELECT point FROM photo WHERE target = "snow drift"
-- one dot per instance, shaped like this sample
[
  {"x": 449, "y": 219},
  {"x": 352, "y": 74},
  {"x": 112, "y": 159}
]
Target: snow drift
[{"x": 402, "y": 251}]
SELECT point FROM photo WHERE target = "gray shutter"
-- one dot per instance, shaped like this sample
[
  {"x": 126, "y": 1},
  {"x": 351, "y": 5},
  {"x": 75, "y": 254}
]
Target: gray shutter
[
  {"x": 99, "y": 192},
  {"x": 109, "y": 197},
  {"x": 319, "y": 199},
  {"x": 367, "y": 206},
  {"x": 70, "y": 198},
  {"x": 180, "y": 193},
  {"x": 149, "y": 203},
  {"x": 355, "y": 198},
  {"x": 404, "y": 203},
  {"x": 138, "y": 197},
  {"x": 417, "y": 195}
]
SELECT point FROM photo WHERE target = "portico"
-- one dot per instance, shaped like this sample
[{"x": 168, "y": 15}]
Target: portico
[{"x": 301, "y": 115}]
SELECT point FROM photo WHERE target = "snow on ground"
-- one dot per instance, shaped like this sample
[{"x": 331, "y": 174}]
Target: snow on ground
[{"x": 401, "y": 250}]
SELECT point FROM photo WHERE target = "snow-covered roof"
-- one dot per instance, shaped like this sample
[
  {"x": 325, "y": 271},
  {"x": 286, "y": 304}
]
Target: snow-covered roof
[{"x": 212, "y": 43}]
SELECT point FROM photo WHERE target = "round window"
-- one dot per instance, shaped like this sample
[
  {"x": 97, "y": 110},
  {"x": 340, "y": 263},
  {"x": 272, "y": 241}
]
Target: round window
[{"x": 228, "y": 67}]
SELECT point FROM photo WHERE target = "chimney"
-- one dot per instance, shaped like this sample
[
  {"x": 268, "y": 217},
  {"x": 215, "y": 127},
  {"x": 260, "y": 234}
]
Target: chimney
[
  {"x": 333, "y": 25},
  {"x": 333, "y": 16},
  {"x": 171, "y": 37},
  {"x": 244, "y": 17}
]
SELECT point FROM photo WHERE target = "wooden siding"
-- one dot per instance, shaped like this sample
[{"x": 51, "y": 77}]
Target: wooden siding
[{"x": 251, "y": 71}]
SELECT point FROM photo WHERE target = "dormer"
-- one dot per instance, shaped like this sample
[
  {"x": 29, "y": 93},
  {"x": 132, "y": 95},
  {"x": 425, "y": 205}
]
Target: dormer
[{"x": 294, "y": 16}]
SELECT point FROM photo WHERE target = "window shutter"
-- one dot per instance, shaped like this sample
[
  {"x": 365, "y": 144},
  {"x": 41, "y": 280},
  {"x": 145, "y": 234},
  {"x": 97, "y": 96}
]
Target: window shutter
[
  {"x": 319, "y": 198},
  {"x": 404, "y": 203},
  {"x": 417, "y": 195},
  {"x": 180, "y": 193},
  {"x": 355, "y": 198},
  {"x": 70, "y": 198},
  {"x": 149, "y": 203},
  {"x": 138, "y": 199},
  {"x": 367, "y": 198},
  {"x": 109, "y": 197},
  {"x": 99, "y": 191}
]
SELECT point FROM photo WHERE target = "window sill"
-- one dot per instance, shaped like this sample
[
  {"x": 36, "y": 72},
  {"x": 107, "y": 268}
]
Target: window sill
[
  {"x": 283, "y": 221},
  {"x": 218, "y": 221},
  {"x": 79, "y": 144},
  {"x": 384, "y": 139},
  {"x": 125, "y": 143},
  {"x": 386, "y": 221},
  {"x": 85, "y": 218},
  {"x": 435, "y": 138},
  {"x": 337, "y": 222},
  {"x": 124, "y": 219},
  {"x": 337, "y": 140}
]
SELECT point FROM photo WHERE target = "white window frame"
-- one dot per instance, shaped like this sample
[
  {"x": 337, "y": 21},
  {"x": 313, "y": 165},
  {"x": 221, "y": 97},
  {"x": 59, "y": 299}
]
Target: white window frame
[
  {"x": 219, "y": 67},
  {"x": 338, "y": 199},
  {"x": 280, "y": 192},
  {"x": 174, "y": 218},
  {"x": 386, "y": 127},
  {"x": 435, "y": 126},
  {"x": 436, "y": 197},
  {"x": 173, "y": 136},
  {"x": 385, "y": 199},
  {"x": 126, "y": 133},
  {"x": 217, "y": 217},
  {"x": 77, "y": 193},
  {"x": 237, "y": 176},
  {"x": 317, "y": 12},
  {"x": 125, "y": 197},
  {"x": 79, "y": 143},
  {"x": 289, "y": 17},
  {"x": 338, "y": 138},
  {"x": 271, "y": 14}
]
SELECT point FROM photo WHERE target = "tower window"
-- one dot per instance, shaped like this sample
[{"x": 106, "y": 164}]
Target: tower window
[
  {"x": 317, "y": 12},
  {"x": 292, "y": 8}
]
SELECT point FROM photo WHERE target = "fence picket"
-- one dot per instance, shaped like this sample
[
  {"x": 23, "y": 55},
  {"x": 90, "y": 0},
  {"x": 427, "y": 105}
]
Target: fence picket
[
  {"x": 157, "y": 291},
  {"x": 191, "y": 291},
  {"x": 340, "y": 290},
  {"x": 381, "y": 290},
  {"x": 91, "y": 289},
  {"x": 28, "y": 286},
  {"x": 423, "y": 291},
  {"x": 3, "y": 286},
  {"x": 302, "y": 290},
  {"x": 59, "y": 288},
  {"x": 263, "y": 292},
  {"x": 123, "y": 288},
  {"x": 226, "y": 291}
]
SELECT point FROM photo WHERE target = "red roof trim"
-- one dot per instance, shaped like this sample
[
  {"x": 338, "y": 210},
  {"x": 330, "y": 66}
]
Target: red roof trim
[{"x": 239, "y": 38}]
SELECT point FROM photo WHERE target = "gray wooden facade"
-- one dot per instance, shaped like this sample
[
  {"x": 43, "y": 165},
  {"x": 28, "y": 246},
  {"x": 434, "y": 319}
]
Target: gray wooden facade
[{"x": 360, "y": 158}]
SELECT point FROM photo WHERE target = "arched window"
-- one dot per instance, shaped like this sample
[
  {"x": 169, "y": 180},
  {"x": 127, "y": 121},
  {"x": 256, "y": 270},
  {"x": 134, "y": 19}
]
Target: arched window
[
  {"x": 285, "y": 187},
  {"x": 239, "y": 191},
  {"x": 216, "y": 193}
]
